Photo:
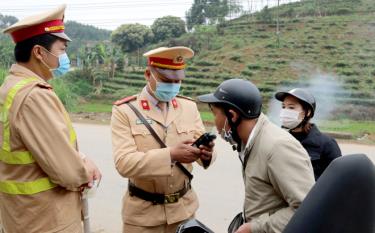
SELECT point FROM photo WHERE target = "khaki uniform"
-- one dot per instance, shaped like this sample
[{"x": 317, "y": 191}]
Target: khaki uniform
[
  {"x": 39, "y": 124},
  {"x": 277, "y": 177},
  {"x": 138, "y": 156}
]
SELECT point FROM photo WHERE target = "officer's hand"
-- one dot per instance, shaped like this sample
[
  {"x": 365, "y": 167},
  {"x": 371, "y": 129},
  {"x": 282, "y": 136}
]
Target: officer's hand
[
  {"x": 92, "y": 169},
  {"x": 245, "y": 228},
  {"x": 184, "y": 152},
  {"x": 206, "y": 151}
]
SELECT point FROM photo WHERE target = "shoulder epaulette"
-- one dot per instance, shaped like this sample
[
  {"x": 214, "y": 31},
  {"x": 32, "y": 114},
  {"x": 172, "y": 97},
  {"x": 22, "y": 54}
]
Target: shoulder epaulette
[
  {"x": 125, "y": 100},
  {"x": 185, "y": 97},
  {"x": 45, "y": 85}
]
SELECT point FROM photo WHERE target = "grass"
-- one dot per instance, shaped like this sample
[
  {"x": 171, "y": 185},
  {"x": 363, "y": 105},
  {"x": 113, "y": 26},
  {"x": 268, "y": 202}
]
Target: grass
[
  {"x": 93, "y": 107},
  {"x": 207, "y": 116},
  {"x": 357, "y": 128}
]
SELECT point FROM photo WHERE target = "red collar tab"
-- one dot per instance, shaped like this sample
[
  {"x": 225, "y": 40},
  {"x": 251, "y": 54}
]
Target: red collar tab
[
  {"x": 174, "y": 103},
  {"x": 125, "y": 100},
  {"x": 145, "y": 105},
  {"x": 166, "y": 63},
  {"x": 53, "y": 26}
]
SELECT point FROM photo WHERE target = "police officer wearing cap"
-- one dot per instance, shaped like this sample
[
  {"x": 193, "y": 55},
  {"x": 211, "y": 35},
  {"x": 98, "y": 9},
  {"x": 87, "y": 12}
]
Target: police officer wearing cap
[
  {"x": 277, "y": 170},
  {"x": 298, "y": 108},
  {"x": 158, "y": 164},
  {"x": 41, "y": 169}
]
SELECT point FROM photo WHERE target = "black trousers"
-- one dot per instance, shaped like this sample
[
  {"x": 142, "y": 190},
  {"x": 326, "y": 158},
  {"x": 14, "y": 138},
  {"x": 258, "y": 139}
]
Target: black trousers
[{"x": 342, "y": 200}]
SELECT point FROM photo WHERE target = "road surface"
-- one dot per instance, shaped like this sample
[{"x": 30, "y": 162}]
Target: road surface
[{"x": 220, "y": 188}]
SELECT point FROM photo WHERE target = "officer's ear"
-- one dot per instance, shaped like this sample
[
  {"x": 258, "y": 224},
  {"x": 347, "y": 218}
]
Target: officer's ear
[
  {"x": 147, "y": 74},
  {"x": 38, "y": 52}
]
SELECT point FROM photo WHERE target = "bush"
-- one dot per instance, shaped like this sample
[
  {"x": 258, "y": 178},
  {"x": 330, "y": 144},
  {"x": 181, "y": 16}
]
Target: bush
[
  {"x": 247, "y": 73},
  {"x": 254, "y": 67},
  {"x": 343, "y": 11},
  {"x": 64, "y": 92},
  {"x": 329, "y": 47},
  {"x": 236, "y": 58},
  {"x": 191, "y": 68},
  {"x": 352, "y": 80},
  {"x": 341, "y": 64},
  {"x": 3, "y": 74},
  {"x": 205, "y": 63}
]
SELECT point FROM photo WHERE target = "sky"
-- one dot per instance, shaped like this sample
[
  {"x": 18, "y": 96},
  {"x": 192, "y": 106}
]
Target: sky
[{"x": 109, "y": 14}]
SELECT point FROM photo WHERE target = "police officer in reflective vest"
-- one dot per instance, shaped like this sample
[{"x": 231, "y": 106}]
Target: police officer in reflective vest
[
  {"x": 41, "y": 172},
  {"x": 159, "y": 196}
]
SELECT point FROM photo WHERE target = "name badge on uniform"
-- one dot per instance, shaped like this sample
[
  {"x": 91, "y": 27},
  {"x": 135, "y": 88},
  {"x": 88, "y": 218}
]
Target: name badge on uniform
[{"x": 139, "y": 122}]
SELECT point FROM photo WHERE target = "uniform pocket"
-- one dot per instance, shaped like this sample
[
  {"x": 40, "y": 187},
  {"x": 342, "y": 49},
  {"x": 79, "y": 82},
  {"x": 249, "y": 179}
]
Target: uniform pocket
[
  {"x": 139, "y": 130},
  {"x": 185, "y": 131},
  {"x": 184, "y": 128}
]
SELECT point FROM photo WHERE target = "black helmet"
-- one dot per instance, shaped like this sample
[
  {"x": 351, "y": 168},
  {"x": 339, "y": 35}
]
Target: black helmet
[
  {"x": 193, "y": 226},
  {"x": 301, "y": 94},
  {"x": 241, "y": 94}
]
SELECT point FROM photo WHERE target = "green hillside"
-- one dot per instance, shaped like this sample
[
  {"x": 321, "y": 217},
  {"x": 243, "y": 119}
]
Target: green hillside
[{"x": 332, "y": 54}]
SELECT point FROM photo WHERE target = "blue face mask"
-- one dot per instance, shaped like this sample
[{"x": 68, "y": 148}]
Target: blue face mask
[
  {"x": 64, "y": 65},
  {"x": 165, "y": 92}
]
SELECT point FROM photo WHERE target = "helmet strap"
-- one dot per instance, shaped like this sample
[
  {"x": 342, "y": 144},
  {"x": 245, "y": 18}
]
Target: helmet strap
[
  {"x": 233, "y": 127},
  {"x": 303, "y": 123}
]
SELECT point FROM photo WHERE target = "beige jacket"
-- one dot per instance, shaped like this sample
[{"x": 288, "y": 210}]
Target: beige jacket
[
  {"x": 138, "y": 156},
  {"x": 39, "y": 124},
  {"x": 278, "y": 176}
]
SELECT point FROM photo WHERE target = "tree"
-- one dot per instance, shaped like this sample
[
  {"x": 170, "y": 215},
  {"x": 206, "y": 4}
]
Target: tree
[
  {"x": 196, "y": 15},
  {"x": 211, "y": 11},
  {"x": 131, "y": 37},
  {"x": 6, "y": 51},
  {"x": 265, "y": 15},
  {"x": 7, "y": 20},
  {"x": 168, "y": 27}
]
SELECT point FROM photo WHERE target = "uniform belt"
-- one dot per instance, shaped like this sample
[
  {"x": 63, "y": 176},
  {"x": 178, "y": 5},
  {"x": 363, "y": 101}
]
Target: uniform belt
[{"x": 158, "y": 198}]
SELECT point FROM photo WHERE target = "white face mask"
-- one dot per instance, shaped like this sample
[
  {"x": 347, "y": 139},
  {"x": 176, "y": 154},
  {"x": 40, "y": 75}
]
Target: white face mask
[{"x": 289, "y": 118}]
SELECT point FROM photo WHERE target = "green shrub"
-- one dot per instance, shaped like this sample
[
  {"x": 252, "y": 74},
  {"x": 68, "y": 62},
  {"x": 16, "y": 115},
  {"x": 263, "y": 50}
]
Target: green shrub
[
  {"x": 352, "y": 80},
  {"x": 3, "y": 74},
  {"x": 329, "y": 47},
  {"x": 254, "y": 67},
  {"x": 247, "y": 73},
  {"x": 236, "y": 58},
  {"x": 205, "y": 63},
  {"x": 341, "y": 64},
  {"x": 64, "y": 92},
  {"x": 191, "y": 68}
]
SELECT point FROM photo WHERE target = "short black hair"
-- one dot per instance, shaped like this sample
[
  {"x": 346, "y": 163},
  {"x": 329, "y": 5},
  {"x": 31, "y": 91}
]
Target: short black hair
[{"x": 22, "y": 51}]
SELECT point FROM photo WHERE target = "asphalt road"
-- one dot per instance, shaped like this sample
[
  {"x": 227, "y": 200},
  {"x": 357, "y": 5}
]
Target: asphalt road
[{"x": 220, "y": 188}]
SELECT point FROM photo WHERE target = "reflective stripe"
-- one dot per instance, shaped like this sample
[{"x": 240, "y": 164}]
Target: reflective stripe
[
  {"x": 16, "y": 157},
  {"x": 72, "y": 133},
  {"x": 23, "y": 157},
  {"x": 26, "y": 188},
  {"x": 5, "y": 111}
]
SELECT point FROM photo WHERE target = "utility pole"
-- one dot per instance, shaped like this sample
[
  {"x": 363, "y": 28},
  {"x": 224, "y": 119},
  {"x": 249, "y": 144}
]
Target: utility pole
[
  {"x": 248, "y": 11},
  {"x": 277, "y": 25}
]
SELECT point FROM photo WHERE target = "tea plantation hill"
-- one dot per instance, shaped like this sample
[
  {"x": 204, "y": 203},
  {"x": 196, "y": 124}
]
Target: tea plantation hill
[{"x": 339, "y": 45}]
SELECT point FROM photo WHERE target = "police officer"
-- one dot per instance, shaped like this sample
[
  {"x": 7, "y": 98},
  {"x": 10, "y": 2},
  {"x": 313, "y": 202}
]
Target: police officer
[
  {"x": 158, "y": 164},
  {"x": 298, "y": 108},
  {"x": 277, "y": 171},
  {"x": 42, "y": 171}
]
